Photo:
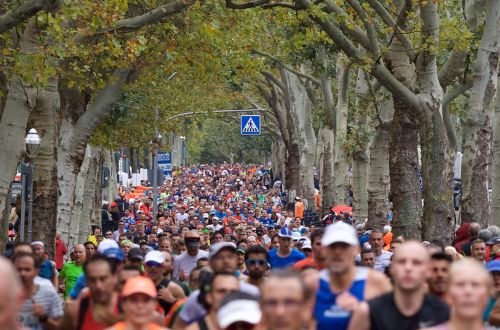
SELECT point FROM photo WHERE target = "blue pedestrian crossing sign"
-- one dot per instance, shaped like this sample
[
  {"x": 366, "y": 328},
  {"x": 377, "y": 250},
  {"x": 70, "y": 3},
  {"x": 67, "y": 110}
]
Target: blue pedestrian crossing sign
[{"x": 250, "y": 125}]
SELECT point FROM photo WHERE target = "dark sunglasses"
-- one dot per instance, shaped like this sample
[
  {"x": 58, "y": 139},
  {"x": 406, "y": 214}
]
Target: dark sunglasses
[
  {"x": 152, "y": 264},
  {"x": 241, "y": 326},
  {"x": 253, "y": 262}
]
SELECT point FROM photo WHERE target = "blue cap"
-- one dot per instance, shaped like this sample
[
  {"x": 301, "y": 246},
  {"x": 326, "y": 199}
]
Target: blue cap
[
  {"x": 114, "y": 253},
  {"x": 285, "y": 232},
  {"x": 493, "y": 266}
]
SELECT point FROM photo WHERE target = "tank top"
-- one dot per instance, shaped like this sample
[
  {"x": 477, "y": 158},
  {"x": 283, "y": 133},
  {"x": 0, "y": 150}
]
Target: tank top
[
  {"x": 328, "y": 315},
  {"x": 86, "y": 316}
]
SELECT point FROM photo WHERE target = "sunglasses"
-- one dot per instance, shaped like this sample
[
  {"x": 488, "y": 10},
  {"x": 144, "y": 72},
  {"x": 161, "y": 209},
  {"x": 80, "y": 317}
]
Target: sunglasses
[
  {"x": 152, "y": 264},
  {"x": 253, "y": 262},
  {"x": 192, "y": 239},
  {"x": 241, "y": 326}
]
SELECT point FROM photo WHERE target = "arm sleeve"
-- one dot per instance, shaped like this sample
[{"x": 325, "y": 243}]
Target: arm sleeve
[{"x": 80, "y": 284}]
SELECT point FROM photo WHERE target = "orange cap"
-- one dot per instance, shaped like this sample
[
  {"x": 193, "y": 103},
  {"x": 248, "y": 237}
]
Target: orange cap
[{"x": 139, "y": 284}]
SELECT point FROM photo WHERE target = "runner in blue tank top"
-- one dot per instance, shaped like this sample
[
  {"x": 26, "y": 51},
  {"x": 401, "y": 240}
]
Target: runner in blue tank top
[{"x": 342, "y": 285}]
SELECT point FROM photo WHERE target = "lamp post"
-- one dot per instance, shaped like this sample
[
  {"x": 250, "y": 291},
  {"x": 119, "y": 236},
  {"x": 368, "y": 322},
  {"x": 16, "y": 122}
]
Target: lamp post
[
  {"x": 156, "y": 144},
  {"x": 32, "y": 142}
]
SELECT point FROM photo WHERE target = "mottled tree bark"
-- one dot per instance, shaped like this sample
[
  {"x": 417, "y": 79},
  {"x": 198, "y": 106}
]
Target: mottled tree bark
[
  {"x": 361, "y": 156},
  {"x": 477, "y": 128},
  {"x": 45, "y": 120},
  {"x": 328, "y": 142},
  {"x": 495, "y": 198},
  {"x": 341, "y": 163},
  {"x": 378, "y": 171},
  {"x": 300, "y": 111},
  {"x": 404, "y": 173},
  {"x": 21, "y": 100}
]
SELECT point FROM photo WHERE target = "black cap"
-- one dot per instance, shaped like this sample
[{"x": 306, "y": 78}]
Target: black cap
[
  {"x": 493, "y": 241},
  {"x": 135, "y": 254}
]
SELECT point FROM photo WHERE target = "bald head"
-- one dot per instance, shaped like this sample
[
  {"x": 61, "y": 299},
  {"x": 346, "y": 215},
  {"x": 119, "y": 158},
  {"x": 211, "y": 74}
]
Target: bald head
[
  {"x": 410, "y": 267},
  {"x": 477, "y": 270},
  {"x": 474, "y": 229},
  {"x": 79, "y": 255},
  {"x": 411, "y": 248},
  {"x": 191, "y": 234}
]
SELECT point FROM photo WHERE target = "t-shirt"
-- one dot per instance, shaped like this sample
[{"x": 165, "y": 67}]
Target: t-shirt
[
  {"x": 280, "y": 262},
  {"x": 45, "y": 283},
  {"x": 181, "y": 217},
  {"x": 46, "y": 270},
  {"x": 80, "y": 284},
  {"x": 70, "y": 273},
  {"x": 50, "y": 302},
  {"x": 307, "y": 262},
  {"x": 384, "y": 314},
  {"x": 185, "y": 262},
  {"x": 382, "y": 261},
  {"x": 193, "y": 310}
]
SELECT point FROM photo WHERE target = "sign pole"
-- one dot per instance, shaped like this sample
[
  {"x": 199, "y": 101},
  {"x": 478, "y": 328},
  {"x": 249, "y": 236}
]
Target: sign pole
[{"x": 23, "y": 203}]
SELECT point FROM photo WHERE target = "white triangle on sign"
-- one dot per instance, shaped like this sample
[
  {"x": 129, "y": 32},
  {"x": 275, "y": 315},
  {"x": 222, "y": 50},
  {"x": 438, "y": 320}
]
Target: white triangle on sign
[{"x": 250, "y": 127}]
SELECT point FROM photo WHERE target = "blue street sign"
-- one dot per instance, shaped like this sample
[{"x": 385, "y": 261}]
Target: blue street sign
[
  {"x": 250, "y": 125},
  {"x": 165, "y": 163}
]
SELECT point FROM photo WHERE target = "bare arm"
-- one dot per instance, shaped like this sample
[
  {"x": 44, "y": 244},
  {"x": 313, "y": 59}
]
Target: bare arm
[
  {"x": 360, "y": 319},
  {"x": 494, "y": 318},
  {"x": 176, "y": 290},
  {"x": 53, "y": 324},
  {"x": 55, "y": 280},
  {"x": 70, "y": 310},
  {"x": 376, "y": 285},
  {"x": 179, "y": 324}
]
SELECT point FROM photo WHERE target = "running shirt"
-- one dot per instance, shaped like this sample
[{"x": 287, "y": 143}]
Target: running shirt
[
  {"x": 52, "y": 304},
  {"x": 70, "y": 273},
  {"x": 46, "y": 270},
  {"x": 86, "y": 319},
  {"x": 385, "y": 315},
  {"x": 278, "y": 262},
  {"x": 186, "y": 262},
  {"x": 328, "y": 315}
]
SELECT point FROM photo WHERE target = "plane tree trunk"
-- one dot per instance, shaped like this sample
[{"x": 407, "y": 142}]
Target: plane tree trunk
[
  {"x": 378, "y": 171},
  {"x": 341, "y": 162},
  {"x": 477, "y": 128}
]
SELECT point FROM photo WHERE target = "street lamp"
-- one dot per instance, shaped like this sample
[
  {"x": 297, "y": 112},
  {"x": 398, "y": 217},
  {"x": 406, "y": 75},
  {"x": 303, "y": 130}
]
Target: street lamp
[
  {"x": 156, "y": 145},
  {"x": 33, "y": 142}
]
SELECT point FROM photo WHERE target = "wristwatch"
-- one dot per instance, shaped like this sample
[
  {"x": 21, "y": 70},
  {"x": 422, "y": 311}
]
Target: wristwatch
[{"x": 43, "y": 318}]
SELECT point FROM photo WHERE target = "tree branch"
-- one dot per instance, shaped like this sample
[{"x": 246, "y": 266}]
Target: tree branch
[
  {"x": 154, "y": 16},
  {"x": 452, "y": 68},
  {"x": 100, "y": 107},
  {"x": 389, "y": 21},
  {"x": 271, "y": 78},
  {"x": 250, "y": 4},
  {"x": 289, "y": 68},
  {"x": 280, "y": 4},
  {"x": 23, "y": 12},
  {"x": 374, "y": 98},
  {"x": 372, "y": 36},
  {"x": 355, "y": 33},
  {"x": 452, "y": 94}
]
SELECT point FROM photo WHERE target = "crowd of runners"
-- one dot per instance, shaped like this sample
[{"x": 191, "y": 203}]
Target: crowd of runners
[{"x": 227, "y": 250}]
